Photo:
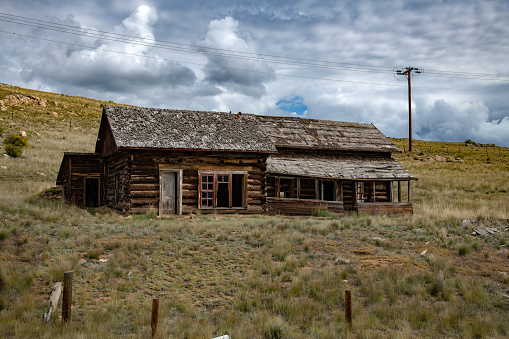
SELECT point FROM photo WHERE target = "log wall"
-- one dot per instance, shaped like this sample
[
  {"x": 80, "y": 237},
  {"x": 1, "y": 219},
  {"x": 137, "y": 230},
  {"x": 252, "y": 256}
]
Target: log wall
[
  {"x": 383, "y": 191},
  {"x": 139, "y": 171},
  {"x": 391, "y": 208},
  {"x": 288, "y": 206},
  {"x": 77, "y": 168},
  {"x": 118, "y": 182}
]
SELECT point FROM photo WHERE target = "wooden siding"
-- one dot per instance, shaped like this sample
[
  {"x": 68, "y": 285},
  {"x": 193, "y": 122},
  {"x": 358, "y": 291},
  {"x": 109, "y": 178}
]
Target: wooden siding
[
  {"x": 118, "y": 182},
  {"x": 74, "y": 170},
  {"x": 392, "y": 208},
  {"x": 307, "y": 188},
  {"x": 289, "y": 206},
  {"x": 383, "y": 191}
]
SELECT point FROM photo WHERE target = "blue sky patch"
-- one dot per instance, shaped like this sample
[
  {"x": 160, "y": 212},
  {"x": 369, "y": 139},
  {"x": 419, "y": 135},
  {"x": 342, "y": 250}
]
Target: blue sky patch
[{"x": 295, "y": 105}]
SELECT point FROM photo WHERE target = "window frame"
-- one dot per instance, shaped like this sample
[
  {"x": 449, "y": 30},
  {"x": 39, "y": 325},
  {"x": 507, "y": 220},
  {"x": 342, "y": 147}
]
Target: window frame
[
  {"x": 367, "y": 193},
  {"x": 215, "y": 175},
  {"x": 207, "y": 191}
]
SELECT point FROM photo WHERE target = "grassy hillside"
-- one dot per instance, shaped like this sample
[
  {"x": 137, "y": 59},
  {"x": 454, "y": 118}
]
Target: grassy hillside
[{"x": 250, "y": 277}]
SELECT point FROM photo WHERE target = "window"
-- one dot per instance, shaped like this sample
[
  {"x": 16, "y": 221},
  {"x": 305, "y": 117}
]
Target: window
[
  {"x": 327, "y": 190},
  {"x": 285, "y": 187},
  {"x": 207, "y": 190},
  {"x": 222, "y": 190},
  {"x": 363, "y": 191}
]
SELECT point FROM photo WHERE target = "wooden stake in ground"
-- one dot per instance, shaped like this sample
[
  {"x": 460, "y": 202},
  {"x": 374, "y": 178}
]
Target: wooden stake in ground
[
  {"x": 348, "y": 309},
  {"x": 67, "y": 297},
  {"x": 155, "y": 316},
  {"x": 53, "y": 301}
]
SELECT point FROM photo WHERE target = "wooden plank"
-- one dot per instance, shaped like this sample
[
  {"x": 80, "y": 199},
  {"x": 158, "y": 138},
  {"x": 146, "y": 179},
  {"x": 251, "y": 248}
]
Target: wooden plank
[{"x": 53, "y": 301}]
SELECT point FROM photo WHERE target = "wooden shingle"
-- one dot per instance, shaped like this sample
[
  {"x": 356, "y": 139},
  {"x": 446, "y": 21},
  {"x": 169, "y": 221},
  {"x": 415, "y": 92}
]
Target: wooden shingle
[
  {"x": 290, "y": 132},
  {"x": 179, "y": 129},
  {"x": 337, "y": 167}
]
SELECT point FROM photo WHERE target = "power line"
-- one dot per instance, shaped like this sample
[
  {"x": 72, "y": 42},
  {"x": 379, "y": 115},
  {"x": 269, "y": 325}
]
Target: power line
[
  {"x": 267, "y": 58},
  {"x": 241, "y": 69},
  {"x": 69, "y": 29}
]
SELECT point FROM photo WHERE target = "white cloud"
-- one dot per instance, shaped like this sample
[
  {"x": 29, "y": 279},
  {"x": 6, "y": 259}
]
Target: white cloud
[
  {"x": 132, "y": 73},
  {"x": 460, "y": 121},
  {"x": 234, "y": 72}
]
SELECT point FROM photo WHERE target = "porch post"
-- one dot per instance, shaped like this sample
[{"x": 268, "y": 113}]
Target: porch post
[
  {"x": 399, "y": 191},
  {"x": 408, "y": 191}
]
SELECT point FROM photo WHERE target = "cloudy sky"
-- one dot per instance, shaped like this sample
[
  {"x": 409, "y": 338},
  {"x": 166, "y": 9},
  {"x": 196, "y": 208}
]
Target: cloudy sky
[{"x": 317, "y": 59}]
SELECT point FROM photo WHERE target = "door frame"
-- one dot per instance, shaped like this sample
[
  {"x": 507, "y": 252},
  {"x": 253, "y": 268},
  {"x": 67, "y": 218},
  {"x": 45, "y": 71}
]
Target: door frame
[
  {"x": 178, "y": 183},
  {"x": 85, "y": 193}
]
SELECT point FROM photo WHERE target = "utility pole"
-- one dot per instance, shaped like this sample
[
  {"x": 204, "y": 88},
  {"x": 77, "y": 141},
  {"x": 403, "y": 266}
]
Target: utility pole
[{"x": 407, "y": 72}]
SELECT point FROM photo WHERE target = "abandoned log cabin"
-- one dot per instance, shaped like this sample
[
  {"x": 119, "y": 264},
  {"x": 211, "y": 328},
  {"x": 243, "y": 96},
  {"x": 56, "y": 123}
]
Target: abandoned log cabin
[{"x": 177, "y": 162}]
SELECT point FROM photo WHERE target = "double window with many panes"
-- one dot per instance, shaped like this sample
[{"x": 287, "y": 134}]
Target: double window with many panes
[{"x": 222, "y": 190}]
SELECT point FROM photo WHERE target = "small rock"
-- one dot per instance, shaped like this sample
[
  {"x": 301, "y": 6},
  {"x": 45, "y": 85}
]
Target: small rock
[
  {"x": 55, "y": 114},
  {"x": 3, "y": 167},
  {"x": 41, "y": 174},
  {"x": 23, "y": 134},
  {"x": 423, "y": 253},
  {"x": 130, "y": 273},
  {"x": 82, "y": 262},
  {"x": 102, "y": 261},
  {"x": 342, "y": 261}
]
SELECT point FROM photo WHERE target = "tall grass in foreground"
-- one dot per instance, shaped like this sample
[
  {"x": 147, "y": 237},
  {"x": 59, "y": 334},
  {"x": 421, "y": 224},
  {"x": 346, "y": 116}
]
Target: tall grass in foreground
[{"x": 249, "y": 277}]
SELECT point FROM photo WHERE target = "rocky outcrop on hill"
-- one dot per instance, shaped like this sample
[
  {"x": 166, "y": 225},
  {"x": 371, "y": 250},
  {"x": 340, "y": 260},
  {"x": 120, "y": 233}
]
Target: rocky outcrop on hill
[{"x": 21, "y": 100}]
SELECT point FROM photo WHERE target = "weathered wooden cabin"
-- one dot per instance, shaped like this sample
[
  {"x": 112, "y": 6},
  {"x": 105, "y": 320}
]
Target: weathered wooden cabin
[{"x": 178, "y": 162}]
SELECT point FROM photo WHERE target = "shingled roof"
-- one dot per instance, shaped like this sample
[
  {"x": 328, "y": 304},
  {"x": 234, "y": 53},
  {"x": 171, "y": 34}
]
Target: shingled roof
[
  {"x": 198, "y": 130},
  {"x": 323, "y": 134},
  {"x": 180, "y": 129},
  {"x": 338, "y": 167}
]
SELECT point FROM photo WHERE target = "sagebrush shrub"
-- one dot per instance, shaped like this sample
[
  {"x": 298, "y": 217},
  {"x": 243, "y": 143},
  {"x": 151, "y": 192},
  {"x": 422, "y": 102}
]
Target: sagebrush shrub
[
  {"x": 15, "y": 144},
  {"x": 17, "y": 140},
  {"x": 13, "y": 151}
]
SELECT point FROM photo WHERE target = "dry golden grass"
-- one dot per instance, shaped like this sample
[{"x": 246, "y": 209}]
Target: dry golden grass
[{"x": 250, "y": 277}]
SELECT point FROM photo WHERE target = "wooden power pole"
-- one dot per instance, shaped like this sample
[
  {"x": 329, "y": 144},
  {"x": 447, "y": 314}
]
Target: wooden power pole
[{"x": 407, "y": 72}]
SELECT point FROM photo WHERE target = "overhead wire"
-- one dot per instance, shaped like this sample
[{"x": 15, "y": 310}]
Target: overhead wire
[
  {"x": 118, "y": 37},
  {"x": 234, "y": 54}
]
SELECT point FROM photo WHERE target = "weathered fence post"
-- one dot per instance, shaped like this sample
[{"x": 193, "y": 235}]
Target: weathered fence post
[
  {"x": 67, "y": 297},
  {"x": 155, "y": 316},
  {"x": 53, "y": 301},
  {"x": 348, "y": 309}
]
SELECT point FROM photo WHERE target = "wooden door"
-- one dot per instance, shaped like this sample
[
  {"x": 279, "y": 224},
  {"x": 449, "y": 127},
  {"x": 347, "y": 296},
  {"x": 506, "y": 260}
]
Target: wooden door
[
  {"x": 349, "y": 195},
  {"x": 168, "y": 204}
]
